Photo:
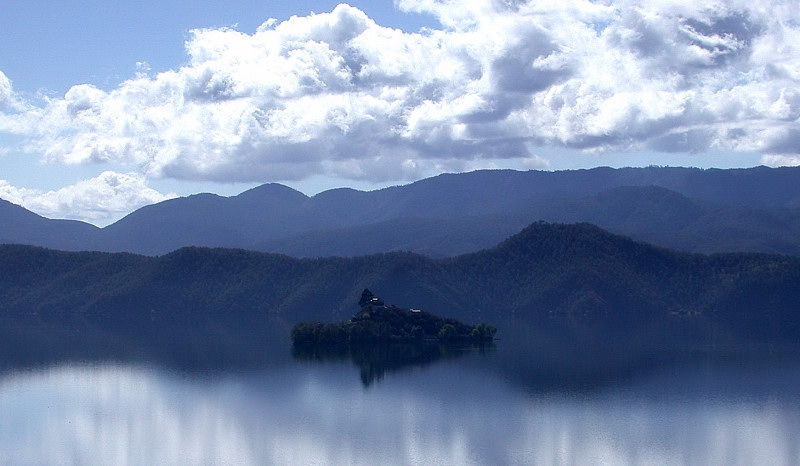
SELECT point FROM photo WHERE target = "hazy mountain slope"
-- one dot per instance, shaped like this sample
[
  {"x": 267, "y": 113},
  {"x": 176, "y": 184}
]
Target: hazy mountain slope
[
  {"x": 21, "y": 226},
  {"x": 649, "y": 213},
  {"x": 273, "y": 212},
  {"x": 267, "y": 211},
  {"x": 493, "y": 191},
  {"x": 572, "y": 272},
  {"x": 666, "y": 218},
  {"x": 432, "y": 237},
  {"x": 738, "y": 209}
]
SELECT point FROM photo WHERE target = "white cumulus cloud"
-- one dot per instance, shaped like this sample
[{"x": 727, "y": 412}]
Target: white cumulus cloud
[
  {"x": 99, "y": 200},
  {"x": 6, "y": 93},
  {"x": 337, "y": 94}
]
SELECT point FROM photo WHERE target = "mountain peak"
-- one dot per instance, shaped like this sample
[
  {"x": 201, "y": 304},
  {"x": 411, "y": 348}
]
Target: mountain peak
[
  {"x": 272, "y": 192},
  {"x": 562, "y": 240}
]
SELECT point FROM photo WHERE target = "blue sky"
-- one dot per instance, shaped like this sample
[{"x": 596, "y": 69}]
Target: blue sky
[{"x": 107, "y": 106}]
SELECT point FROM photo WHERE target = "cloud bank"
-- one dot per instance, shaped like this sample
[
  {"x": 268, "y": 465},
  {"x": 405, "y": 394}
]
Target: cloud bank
[
  {"x": 99, "y": 200},
  {"x": 336, "y": 94}
]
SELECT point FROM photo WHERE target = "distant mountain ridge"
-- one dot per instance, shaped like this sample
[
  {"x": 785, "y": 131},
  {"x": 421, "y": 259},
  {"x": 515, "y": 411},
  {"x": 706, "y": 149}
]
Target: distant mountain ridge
[
  {"x": 703, "y": 210},
  {"x": 21, "y": 226}
]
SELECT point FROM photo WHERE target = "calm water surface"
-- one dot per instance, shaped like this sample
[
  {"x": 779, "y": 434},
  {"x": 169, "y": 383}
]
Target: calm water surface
[{"x": 474, "y": 409}]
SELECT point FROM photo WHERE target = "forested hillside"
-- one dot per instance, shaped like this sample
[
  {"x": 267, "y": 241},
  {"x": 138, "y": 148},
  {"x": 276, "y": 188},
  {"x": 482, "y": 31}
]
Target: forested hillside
[{"x": 547, "y": 272}]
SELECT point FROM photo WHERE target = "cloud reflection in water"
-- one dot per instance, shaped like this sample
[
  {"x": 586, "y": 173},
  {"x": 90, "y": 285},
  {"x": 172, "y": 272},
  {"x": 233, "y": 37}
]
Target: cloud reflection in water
[{"x": 321, "y": 414}]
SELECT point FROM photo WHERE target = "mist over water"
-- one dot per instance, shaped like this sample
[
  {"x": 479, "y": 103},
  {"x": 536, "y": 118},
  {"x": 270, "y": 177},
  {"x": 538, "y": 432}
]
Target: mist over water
[{"x": 470, "y": 409}]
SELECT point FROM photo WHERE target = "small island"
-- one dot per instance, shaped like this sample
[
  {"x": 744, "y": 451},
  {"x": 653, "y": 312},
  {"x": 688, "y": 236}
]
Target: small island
[{"x": 377, "y": 322}]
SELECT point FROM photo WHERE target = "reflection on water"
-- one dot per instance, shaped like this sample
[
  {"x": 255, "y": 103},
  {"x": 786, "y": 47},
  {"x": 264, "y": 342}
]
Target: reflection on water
[
  {"x": 453, "y": 412},
  {"x": 375, "y": 360}
]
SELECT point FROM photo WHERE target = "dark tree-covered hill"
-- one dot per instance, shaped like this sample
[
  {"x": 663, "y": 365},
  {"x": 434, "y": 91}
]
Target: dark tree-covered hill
[{"x": 547, "y": 272}]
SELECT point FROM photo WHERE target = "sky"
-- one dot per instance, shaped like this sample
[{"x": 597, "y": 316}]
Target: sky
[{"x": 107, "y": 106}]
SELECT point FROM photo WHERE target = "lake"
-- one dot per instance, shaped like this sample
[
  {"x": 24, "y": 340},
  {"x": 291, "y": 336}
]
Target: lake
[{"x": 428, "y": 405}]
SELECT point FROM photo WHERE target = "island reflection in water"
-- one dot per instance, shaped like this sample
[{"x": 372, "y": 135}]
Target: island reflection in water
[
  {"x": 457, "y": 411},
  {"x": 375, "y": 360}
]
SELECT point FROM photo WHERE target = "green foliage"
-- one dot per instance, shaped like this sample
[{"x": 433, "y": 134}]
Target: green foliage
[
  {"x": 447, "y": 332},
  {"x": 482, "y": 332}
]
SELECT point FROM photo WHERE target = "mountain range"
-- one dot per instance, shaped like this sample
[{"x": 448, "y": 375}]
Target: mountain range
[{"x": 689, "y": 209}]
